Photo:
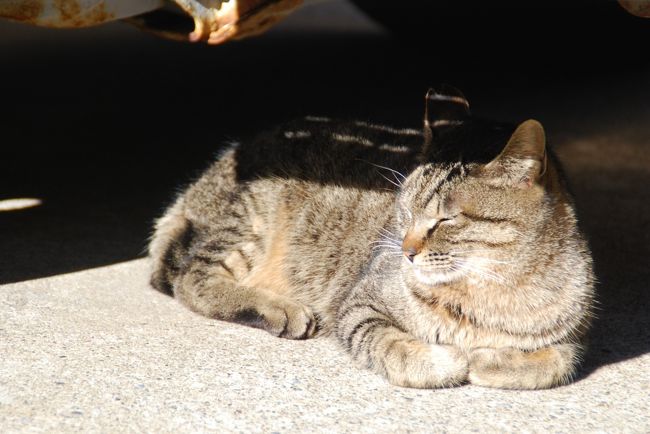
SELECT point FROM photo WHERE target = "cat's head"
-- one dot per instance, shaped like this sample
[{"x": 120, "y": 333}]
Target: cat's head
[{"x": 471, "y": 220}]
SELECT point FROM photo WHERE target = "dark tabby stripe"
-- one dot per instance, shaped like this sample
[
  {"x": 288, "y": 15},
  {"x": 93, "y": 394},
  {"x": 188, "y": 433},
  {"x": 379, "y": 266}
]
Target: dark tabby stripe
[
  {"x": 345, "y": 312},
  {"x": 487, "y": 219},
  {"x": 481, "y": 242},
  {"x": 366, "y": 327},
  {"x": 454, "y": 172},
  {"x": 173, "y": 260},
  {"x": 372, "y": 322}
]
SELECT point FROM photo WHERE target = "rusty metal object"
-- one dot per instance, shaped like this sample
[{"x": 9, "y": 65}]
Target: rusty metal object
[
  {"x": 217, "y": 21},
  {"x": 73, "y": 13},
  {"x": 640, "y": 8}
]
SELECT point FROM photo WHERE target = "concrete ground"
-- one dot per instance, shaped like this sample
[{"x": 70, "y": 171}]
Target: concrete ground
[{"x": 103, "y": 124}]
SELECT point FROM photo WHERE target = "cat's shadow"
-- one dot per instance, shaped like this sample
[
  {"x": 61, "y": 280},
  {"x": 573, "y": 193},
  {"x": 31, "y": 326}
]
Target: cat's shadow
[{"x": 614, "y": 205}]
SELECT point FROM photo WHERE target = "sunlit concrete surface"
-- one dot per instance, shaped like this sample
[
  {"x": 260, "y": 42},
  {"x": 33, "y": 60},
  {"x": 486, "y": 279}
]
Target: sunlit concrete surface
[
  {"x": 103, "y": 125},
  {"x": 99, "y": 350}
]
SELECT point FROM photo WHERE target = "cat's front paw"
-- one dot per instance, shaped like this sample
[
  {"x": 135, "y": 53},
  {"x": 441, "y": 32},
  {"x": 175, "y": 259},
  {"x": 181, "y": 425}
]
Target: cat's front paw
[
  {"x": 281, "y": 317},
  {"x": 419, "y": 365},
  {"x": 511, "y": 368}
]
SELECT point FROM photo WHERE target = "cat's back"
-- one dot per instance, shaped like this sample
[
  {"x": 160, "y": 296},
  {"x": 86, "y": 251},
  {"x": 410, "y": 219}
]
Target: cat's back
[{"x": 326, "y": 151}]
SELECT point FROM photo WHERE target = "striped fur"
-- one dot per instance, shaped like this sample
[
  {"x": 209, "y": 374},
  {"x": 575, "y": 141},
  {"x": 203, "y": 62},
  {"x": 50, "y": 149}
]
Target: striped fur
[{"x": 460, "y": 262}]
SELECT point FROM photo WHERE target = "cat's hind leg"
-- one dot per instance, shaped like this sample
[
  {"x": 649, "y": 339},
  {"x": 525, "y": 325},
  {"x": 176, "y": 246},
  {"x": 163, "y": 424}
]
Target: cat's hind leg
[
  {"x": 210, "y": 286},
  {"x": 210, "y": 273},
  {"x": 511, "y": 368}
]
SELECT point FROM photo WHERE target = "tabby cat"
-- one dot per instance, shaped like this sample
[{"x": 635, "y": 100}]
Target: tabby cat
[{"x": 436, "y": 256}]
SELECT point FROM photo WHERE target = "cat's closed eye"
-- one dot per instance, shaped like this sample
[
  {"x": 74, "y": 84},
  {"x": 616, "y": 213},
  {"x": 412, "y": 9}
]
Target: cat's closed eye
[
  {"x": 435, "y": 223},
  {"x": 450, "y": 218}
]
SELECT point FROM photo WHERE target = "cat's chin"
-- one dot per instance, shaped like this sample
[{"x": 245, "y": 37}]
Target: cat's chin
[{"x": 436, "y": 278}]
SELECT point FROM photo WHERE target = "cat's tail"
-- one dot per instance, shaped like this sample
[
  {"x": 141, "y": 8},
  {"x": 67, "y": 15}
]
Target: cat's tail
[{"x": 169, "y": 246}]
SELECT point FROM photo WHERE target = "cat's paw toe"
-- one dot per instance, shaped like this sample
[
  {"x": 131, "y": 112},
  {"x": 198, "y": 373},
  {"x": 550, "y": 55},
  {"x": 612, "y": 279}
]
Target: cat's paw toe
[
  {"x": 300, "y": 324},
  {"x": 449, "y": 364},
  {"x": 498, "y": 368},
  {"x": 510, "y": 368},
  {"x": 419, "y": 365},
  {"x": 483, "y": 366},
  {"x": 290, "y": 320}
]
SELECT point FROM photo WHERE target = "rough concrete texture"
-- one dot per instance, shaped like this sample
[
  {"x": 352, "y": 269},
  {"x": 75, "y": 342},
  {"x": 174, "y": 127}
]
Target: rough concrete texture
[
  {"x": 102, "y": 124},
  {"x": 100, "y": 351}
]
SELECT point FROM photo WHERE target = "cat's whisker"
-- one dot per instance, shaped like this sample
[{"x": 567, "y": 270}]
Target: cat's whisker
[
  {"x": 387, "y": 246},
  {"x": 454, "y": 252},
  {"x": 395, "y": 172},
  {"x": 484, "y": 270},
  {"x": 490, "y": 260},
  {"x": 387, "y": 249},
  {"x": 388, "y": 239},
  {"x": 386, "y": 231},
  {"x": 385, "y": 243},
  {"x": 394, "y": 246},
  {"x": 481, "y": 271},
  {"x": 393, "y": 254},
  {"x": 389, "y": 180},
  {"x": 397, "y": 175},
  {"x": 472, "y": 254},
  {"x": 387, "y": 235},
  {"x": 388, "y": 252}
]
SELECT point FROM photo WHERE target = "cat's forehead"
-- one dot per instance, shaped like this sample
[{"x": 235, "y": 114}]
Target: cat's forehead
[
  {"x": 439, "y": 175},
  {"x": 433, "y": 182}
]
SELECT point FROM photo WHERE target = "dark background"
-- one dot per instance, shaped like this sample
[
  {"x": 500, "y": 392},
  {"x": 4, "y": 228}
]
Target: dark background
[{"x": 104, "y": 124}]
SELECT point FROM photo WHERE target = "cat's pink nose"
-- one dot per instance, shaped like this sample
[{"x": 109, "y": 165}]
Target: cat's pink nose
[
  {"x": 411, "y": 246},
  {"x": 410, "y": 253}
]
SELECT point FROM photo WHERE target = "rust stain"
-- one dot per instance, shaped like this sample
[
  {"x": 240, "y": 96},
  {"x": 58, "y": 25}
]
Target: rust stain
[
  {"x": 68, "y": 9},
  {"x": 22, "y": 10},
  {"x": 98, "y": 15},
  {"x": 72, "y": 14}
]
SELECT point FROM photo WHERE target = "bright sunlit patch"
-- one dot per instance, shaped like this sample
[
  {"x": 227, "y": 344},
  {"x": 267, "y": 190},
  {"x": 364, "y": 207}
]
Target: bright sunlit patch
[{"x": 19, "y": 203}]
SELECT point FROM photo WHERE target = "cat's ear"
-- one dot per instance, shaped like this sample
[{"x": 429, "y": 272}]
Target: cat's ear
[
  {"x": 523, "y": 160},
  {"x": 444, "y": 106}
]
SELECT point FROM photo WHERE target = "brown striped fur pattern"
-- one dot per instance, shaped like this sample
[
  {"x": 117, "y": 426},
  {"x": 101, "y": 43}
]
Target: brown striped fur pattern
[{"x": 462, "y": 265}]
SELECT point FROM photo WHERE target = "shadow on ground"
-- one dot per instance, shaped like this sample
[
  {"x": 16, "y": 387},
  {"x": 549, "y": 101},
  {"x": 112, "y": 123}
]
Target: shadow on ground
[{"x": 104, "y": 124}]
